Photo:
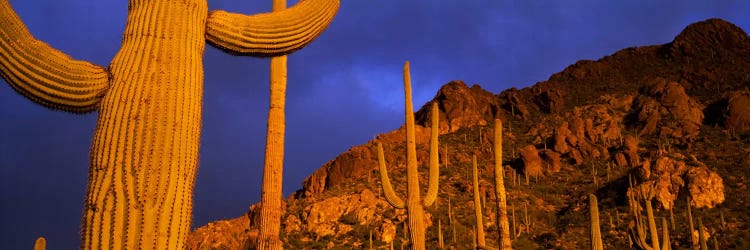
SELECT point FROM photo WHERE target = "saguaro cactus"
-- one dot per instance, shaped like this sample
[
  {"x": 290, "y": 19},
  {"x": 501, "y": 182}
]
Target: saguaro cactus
[
  {"x": 273, "y": 165},
  {"x": 477, "y": 205},
  {"x": 144, "y": 153},
  {"x": 40, "y": 244},
  {"x": 414, "y": 206},
  {"x": 596, "y": 235},
  {"x": 502, "y": 205},
  {"x": 638, "y": 229}
]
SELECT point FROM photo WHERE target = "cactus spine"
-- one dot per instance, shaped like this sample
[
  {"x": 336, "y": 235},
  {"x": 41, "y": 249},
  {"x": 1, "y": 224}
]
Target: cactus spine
[
  {"x": 596, "y": 235},
  {"x": 414, "y": 206},
  {"x": 502, "y": 205},
  {"x": 477, "y": 206},
  {"x": 144, "y": 153}
]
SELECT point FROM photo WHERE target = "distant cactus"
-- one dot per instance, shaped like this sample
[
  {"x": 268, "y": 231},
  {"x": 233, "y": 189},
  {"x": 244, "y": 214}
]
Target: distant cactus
[
  {"x": 638, "y": 231},
  {"x": 693, "y": 244},
  {"x": 441, "y": 243},
  {"x": 144, "y": 153},
  {"x": 502, "y": 206},
  {"x": 596, "y": 235},
  {"x": 701, "y": 238},
  {"x": 477, "y": 206},
  {"x": 414, "y": 205}
]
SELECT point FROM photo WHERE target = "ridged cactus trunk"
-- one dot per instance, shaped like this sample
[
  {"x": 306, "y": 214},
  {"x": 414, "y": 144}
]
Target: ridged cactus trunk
[
  {"x": 502, "y": 203},
  {"x": 273, "y": 166},
  {"x": 414, "y": 205},
  {"x": 144, "y": 153}
]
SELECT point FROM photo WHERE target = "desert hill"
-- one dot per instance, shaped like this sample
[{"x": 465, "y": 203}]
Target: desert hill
[{"x": 673, "y": 119}]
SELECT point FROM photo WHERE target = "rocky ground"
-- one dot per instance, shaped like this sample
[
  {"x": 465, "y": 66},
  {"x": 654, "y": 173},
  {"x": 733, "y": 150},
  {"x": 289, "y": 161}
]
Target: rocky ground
[{"x": 674, "y": 118}]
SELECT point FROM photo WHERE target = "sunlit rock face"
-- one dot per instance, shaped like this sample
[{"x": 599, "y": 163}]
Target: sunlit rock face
[
  {"x": 706, "y": 187},
  {"x": 664, "y": 108}
]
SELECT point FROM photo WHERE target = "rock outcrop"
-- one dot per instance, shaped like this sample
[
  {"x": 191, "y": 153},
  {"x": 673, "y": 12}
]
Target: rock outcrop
[
  {"x": 663, "y": 108},
  {"x": 359, "y": 160},
  {"x": 460, "y": 107},
  {"x": 325, "y": 217},
  {"x": 223, "y": 234},
  {"x": 737, "y": 114}
]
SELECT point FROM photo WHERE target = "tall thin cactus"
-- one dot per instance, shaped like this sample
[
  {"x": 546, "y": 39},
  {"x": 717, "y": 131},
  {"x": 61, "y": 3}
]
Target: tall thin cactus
[
  {"x": 414, "y": 204},
  {"x": 441, "y": 243},
  {"x": 701, "y": 232},
  {"x": 693, "y": 243},
  {"x": 273, "y": 165},
  {"x": 502, "y": 205},
  {"x": 144, "y": 153},
  {"x": 596, "y": 235},
  {"x": 477, "y": 206}
]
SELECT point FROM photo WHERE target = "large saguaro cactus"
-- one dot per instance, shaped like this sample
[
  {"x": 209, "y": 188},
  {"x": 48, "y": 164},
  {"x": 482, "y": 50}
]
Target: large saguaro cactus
[
  {"x": 144, "y": 153},
  {"x": 414, "y": 205}
]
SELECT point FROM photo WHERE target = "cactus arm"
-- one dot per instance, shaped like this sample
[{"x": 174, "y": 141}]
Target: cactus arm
[
  {"x": 44, "y": 74},
  {"x": 432, "y": 188},
  {"x": 390, "y": 195},
  {"x": 270, "y": 34}
]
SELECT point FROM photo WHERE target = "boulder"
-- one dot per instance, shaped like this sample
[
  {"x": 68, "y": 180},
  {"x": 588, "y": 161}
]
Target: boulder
[
  {"x": 631, "y": 150},
  {"x": 552, "y": 161},
  {"x": 737, "y": 114},
  {"x": 561, "y": 145},
  {"x": 706, "y": 187},
  {"x": 664, "y": 108},
  {"x": 386, "y": 232},
  {"x": 532, "y": 163}
]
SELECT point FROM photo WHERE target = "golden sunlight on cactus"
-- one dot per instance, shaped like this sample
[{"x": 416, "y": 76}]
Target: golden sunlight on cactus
[
  {"x": 413, "y": 205},
  {"x": 270, "y": 34},
  {"x": 480, "y": 240},
  {"x": 44, "y": 74},
  {"x": 144, "y": 153},
  {"x": 273, "y": 166},
  {"x": 502, "y": 205},
  {"x": 40, "y": 244}
]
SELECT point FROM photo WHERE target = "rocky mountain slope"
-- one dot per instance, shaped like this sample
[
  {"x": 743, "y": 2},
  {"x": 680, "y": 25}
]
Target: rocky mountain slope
[{"x": 674, "y": 118}]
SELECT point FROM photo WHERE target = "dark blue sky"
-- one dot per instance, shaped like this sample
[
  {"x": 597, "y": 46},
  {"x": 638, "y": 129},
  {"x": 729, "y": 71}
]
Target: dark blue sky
[{"x": 343, "y": 89}]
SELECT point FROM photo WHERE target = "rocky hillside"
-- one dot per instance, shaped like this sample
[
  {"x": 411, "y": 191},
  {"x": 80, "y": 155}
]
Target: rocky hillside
[{"x": 674, "y": 119}]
